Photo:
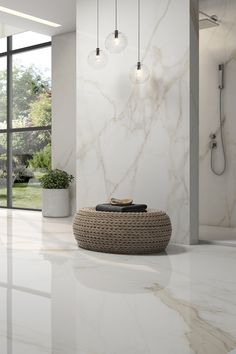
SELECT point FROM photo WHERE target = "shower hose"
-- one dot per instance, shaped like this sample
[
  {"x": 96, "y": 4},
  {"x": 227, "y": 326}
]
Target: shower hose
[{"x": 220, "y": 173}]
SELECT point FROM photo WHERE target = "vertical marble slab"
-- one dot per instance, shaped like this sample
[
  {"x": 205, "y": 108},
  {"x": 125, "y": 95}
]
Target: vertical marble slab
[
  {"x": 134, "y": 141},
  {"x": 194, "y": 122},
  {"x": 218, "y": 45},
  {"x": 64, "y": 106}
]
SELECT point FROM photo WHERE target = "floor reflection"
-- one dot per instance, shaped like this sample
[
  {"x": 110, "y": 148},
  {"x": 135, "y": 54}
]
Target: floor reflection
[
  {"x": 121, "y": 274},
  {"x": 57, "y": 299}
]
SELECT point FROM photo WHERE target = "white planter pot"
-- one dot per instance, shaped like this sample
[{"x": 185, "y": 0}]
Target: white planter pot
[{"x": 56, "y": 203}]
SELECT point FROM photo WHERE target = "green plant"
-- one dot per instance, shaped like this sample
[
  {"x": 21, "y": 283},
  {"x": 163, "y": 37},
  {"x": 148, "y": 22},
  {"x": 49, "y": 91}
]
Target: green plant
[
  {"x": 56, "y": 179},
  {"x": 42, "y": 159}
]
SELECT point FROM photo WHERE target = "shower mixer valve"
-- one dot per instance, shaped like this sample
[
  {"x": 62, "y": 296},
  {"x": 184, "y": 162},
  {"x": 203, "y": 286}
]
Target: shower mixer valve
[{"x": 213, "y": 142}]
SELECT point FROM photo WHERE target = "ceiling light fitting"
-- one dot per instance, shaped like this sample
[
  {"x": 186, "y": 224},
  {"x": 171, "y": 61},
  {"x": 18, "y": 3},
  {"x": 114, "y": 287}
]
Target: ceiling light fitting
[
  {"x": 28, "y": 17},
  {"x": 139, "y": 73},
  {"x": 98, "y": 58},
  {"x": 116, "y": 41}
]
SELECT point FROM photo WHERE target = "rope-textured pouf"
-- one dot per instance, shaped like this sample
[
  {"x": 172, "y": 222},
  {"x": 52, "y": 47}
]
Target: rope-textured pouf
[{"x": 127, "y": 233}]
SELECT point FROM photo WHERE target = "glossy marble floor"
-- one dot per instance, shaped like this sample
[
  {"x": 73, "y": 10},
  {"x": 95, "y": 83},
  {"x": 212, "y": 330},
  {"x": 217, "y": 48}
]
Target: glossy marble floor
[
  {"x": 218, "y": 235},
  {"x": 57, "y": 299}
]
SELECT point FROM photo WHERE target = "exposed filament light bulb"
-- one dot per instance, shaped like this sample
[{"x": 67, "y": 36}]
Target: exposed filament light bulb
[{"x": 116, "y": 41}]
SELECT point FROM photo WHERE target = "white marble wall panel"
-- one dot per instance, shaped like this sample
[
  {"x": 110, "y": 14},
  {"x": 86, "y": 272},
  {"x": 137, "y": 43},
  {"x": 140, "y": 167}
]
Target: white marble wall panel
[
  {"x": 64, "y": 106},
  {"x": 133, "y": 141},
  {"x": 218, "y": 45}
]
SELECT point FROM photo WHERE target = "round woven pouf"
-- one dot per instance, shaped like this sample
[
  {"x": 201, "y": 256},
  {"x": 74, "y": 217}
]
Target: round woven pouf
[{"x": 125, "y": 233}]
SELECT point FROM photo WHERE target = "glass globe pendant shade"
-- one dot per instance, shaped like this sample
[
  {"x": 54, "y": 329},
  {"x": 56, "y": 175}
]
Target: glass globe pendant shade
[
  {"x": 139, "y": 74},
  {"x": 98, "y": 59},
  {"x": 116, "y": 42}
]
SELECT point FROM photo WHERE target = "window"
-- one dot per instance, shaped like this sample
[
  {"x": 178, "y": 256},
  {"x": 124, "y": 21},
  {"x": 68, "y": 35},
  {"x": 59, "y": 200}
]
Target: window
[
  {"x": 27, "y": 39},
  {"x": 25, "y": 119}
]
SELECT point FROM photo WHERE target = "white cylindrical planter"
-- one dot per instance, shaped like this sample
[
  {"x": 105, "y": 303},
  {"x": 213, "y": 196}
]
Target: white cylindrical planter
[{"x": 56, "y": 203}]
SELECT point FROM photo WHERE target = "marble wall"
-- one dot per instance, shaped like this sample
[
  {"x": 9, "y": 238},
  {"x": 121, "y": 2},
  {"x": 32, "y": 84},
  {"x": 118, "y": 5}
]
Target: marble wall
[
  {"x": 134, "y": 141},
  {"x": 64, "y": 105},
  {"x": 218, "y": 45}
]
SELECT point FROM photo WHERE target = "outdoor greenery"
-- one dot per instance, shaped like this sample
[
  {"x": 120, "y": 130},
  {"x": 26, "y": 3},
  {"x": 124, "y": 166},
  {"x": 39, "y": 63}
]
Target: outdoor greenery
[
  {"x": 31, "y": 149},
  {"x": 24, "y": 196},
  {"x": 29, "y": 87},
  {"x": 56, "y": 179},
  {"x": 41, "y": 110},
  {"x": 42, "y": 159}
]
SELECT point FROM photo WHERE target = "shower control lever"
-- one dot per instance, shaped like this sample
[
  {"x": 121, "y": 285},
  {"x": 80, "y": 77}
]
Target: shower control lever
[
  {"x": 213, "y": 142},
  {"x": 212, "y": 136}
]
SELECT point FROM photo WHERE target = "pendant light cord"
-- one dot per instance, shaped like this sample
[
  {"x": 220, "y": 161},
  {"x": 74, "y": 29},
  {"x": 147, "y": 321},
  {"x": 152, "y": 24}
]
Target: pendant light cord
[
  {"x": 139, "y": 31},
  {"x": 116, "y": 11},
  {"x": 97, "y": 23}
]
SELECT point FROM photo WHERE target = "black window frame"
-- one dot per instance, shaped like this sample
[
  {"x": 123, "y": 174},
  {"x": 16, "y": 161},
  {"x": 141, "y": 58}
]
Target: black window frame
[{"x": 10, "y": 130}]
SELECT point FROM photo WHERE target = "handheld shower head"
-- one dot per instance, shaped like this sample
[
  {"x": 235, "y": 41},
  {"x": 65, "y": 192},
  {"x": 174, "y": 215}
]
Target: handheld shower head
[{"x": 221, "y": 76}]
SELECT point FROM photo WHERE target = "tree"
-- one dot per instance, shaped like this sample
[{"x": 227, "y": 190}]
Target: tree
[
  {"x": 31, "y": 107},
  {"x": 28, "y": 86},
  {"x": 41, "y": 110}
]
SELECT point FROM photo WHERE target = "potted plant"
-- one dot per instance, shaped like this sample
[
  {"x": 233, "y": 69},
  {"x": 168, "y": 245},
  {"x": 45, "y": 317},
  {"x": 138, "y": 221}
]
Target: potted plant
[{"x": 55, "y": 195}]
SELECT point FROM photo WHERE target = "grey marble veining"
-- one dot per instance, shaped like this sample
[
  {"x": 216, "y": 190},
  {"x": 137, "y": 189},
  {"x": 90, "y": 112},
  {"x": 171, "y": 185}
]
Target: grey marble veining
[
  {"x": 133, "y": 141},
  {"x": 217, "y": 45},
  {"x": 57, "y": 299}
]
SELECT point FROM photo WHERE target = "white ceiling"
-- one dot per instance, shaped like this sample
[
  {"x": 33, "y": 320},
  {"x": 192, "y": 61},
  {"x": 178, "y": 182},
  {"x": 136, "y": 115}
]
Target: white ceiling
[
  {"x": 6, "y": 30},
  {"x": 58, "y": 11}
]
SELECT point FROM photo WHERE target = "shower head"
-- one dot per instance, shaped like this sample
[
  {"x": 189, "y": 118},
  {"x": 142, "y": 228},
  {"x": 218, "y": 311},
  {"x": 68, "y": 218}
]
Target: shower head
[{"x": 208, "y": 21}]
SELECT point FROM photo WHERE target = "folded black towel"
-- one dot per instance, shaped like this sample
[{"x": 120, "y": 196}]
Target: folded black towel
[{"x": 135, "y": 208}]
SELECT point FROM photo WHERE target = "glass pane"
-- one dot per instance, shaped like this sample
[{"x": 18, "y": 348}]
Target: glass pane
[
  {"x": 27, "y": 39},
  {"x": 3, "y": 170},
  {"x": 32, "y": 88},
  {"x": 31, "y": 159},
  {"x": 3, "y": 45},
  {"x": 3, "y": 93}
]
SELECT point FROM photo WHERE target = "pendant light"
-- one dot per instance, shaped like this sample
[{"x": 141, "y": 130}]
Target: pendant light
[
  {"x": 139, "y": 73},
  {"x": 116, "y": 41},
  {"x": 97, "y": 58}
]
